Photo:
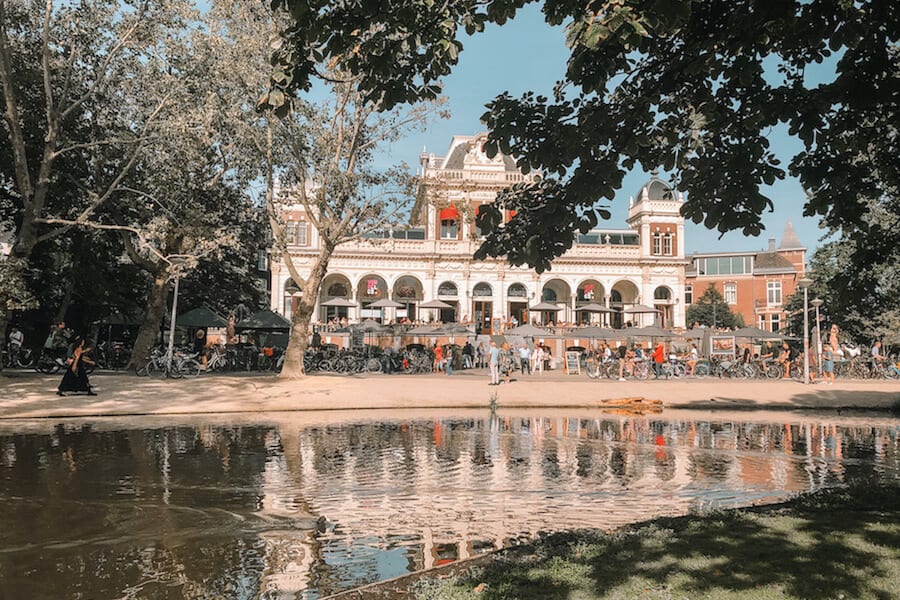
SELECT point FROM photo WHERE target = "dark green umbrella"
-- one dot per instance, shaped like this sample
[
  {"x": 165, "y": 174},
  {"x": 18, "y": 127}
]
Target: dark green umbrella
[
  {"x": 264, "y": 320},
  {"x": 200, "y": 317}
]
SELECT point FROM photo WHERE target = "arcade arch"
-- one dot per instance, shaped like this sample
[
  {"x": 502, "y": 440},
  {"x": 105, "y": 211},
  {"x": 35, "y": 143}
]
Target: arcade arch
[
  {"x": 557, "y": 291},
  {"x": 334, "y": 286},
  {"x": 589, "y": 291},
  {"x": 662, "y": 301},
  {"x": 408, "y": 290},
  {"x": 517, "y": 303},
  {"x": 483, "y": 307},
  {"x": 624, "y": 293},
  {"x": 369, "y": 289}
]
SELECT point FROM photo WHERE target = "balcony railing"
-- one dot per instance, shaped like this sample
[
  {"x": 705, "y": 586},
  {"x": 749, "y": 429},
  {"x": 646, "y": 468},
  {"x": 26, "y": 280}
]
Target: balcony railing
[
  {"x": 468, "y": 247},
  {"x": 500, "y": 177}
]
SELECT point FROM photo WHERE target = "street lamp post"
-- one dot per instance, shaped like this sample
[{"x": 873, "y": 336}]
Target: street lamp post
[
  {"x": 817, "y": 302},
  {"x": 174, "y": 261},
  {"x": 804, "y": 285}
]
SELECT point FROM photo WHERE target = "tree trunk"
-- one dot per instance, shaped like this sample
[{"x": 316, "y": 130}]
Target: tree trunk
[
  {"x": 156, "y": 310},
  {"x": 296, "y": 349},
  {"x": 293, "y": 354}
]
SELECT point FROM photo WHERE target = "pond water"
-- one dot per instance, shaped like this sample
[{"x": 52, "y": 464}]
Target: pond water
[{"x": 288, "y": 509}]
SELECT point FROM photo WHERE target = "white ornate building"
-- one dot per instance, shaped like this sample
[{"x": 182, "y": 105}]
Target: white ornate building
[{"x": 432, "y": 258}]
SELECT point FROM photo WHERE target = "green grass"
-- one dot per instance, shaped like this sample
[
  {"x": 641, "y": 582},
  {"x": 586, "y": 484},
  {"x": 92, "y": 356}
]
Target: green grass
[{"x": 834, "y": 545}]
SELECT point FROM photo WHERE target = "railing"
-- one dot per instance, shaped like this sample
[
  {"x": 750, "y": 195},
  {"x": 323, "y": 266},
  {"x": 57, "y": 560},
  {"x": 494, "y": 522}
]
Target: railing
[
  {"x": 468, "y": 247},
  {"x": 503, "y": 177}
]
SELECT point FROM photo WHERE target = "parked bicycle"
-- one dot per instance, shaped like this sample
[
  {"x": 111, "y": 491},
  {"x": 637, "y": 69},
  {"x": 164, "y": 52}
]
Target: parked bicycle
[
  {"x": 17, "y": 358},
  {"x": 159, "y": 366}
]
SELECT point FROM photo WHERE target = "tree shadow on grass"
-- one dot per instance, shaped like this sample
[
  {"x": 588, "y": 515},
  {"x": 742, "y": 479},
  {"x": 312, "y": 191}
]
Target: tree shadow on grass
[{"x": 839, "y": 546}]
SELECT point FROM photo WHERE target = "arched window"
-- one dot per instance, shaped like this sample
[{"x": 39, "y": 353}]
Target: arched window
[
  {"x": 548, "y": 295},
  {"x": 662, "y": 293},
  {"x": 338, "y": 290},
  {"x": 482, "y": 289},
  {"x": 448, "y": 288},
  {"x": 517, "y": 290}
]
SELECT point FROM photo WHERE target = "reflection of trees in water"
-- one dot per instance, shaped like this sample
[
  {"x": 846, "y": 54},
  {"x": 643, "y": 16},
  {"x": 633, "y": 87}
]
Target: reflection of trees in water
[{"x": 550, "y": 460}]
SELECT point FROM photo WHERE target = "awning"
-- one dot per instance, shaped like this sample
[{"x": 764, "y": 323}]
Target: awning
[{"x": 449, "y": 214}]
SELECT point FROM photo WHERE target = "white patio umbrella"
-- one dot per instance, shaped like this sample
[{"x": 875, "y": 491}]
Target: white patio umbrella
[
  {"x": 385, "y": 303},
  {"x": 435, "y": 304}
]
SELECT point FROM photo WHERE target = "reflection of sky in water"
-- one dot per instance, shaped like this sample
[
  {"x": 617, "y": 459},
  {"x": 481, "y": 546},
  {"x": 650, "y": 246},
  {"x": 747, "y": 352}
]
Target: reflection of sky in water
[{"x": 273, "y": 511}]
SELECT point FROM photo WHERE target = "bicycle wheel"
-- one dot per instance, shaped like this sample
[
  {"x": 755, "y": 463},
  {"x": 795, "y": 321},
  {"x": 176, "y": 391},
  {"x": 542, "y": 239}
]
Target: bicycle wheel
[
  {"x": 189, "y": 368},
  {"x": 47, "y": 366},
  {"x": 154, "y": 369},
  {"x": 373, "y": 365},
  {"x": 25, "y": 358},
  {"x": 773, "y": 371},
  {"x": 702, "y": 369}
]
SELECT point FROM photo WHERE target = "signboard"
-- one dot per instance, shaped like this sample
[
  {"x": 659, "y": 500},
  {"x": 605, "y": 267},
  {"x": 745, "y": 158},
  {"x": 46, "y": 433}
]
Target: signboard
[
  {"x": 573, "y": 366},
  {"x": 722, "y": 345},
  {"x": 357, "y": 338}
]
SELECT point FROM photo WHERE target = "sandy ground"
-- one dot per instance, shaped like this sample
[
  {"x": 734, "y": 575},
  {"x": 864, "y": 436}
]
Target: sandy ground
[{"x": 26, "y": 394}]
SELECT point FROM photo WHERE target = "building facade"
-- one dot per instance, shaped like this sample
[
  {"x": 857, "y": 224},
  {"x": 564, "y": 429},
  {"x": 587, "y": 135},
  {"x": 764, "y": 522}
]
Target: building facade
[
  {"x": 431, "y": 259},
  {"x": 756, "y": 284}
]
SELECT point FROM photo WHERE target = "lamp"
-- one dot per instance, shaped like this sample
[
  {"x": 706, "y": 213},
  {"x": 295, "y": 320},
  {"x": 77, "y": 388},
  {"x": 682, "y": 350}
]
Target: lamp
[
  {"x": 817, "y": 302},
  {"x": 804, "y": 284}
]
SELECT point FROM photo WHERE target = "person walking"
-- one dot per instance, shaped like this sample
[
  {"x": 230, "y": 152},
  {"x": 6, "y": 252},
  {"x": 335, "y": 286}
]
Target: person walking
[
  {"x": 448, "y": 360},
  {"x": 827, "y": 364},
  {"x": 537, "y": 359},
  {"x": 525, "y": 358},
  {"x": 438, "y": 358},
  {"x": 506, "y": 361},
  {"x": 659, "y": 357},
  {"x": 75, "y": 377},
  {"x": 494, "y": 363}
]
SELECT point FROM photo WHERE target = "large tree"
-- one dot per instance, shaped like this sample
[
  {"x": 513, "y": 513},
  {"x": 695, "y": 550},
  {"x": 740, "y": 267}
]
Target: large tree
[
  {"x": 76, "y": 112},
  {"x": 693, "y": 86},
  {"x": 318, "y": 156}
]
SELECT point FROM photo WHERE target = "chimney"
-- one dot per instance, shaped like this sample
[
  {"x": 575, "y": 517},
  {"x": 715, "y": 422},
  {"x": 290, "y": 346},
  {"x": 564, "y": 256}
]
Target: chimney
[{"x": 771, "y": 244}]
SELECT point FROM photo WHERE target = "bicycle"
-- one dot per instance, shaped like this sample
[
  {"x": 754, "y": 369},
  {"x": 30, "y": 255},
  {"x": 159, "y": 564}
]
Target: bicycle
[
  {"x": 160, "y": 366},
  {"x": 21, "y": 358}
]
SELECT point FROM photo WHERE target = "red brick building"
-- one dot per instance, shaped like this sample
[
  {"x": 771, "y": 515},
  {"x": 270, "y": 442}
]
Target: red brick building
[{"x": 755, "y": 284}]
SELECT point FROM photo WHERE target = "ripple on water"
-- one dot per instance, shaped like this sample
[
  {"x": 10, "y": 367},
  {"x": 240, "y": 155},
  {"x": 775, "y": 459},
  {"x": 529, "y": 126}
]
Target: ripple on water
[{"x": 236, "y": 511}]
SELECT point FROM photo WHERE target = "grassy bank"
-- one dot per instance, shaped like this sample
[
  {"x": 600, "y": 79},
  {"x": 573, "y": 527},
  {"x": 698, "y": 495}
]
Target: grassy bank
[{"x": 841, "y": 544}]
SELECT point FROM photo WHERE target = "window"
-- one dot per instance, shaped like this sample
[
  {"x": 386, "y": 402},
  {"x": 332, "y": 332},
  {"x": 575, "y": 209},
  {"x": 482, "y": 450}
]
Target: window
[
  {"x": 657, "y": 244},
  {"x": 762, "y": 322},
  {"x": 775, "y": 321},
  {"x": 261, "y": 260},
  {"x": 724, "y": 265},
  {"x": 296, "y": 234},
  {"x": 731, "y": 293},
  {"x": 667, "y": 244},
  {"x": 773, "y": 293},
  {"x": 449, "y": 229},
  {"x": 688, "y": 294},
  {"x": 447, "y": 289}
]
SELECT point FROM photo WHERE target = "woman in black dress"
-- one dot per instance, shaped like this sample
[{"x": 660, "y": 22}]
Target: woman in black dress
[{"x": 75, "y": 378}]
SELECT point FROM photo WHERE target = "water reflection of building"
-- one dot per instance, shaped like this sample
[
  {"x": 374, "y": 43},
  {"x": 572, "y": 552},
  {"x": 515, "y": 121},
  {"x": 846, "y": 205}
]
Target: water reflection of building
[
  {"x": 211, "y": 508},
  {"x": 411, "y": 485}
]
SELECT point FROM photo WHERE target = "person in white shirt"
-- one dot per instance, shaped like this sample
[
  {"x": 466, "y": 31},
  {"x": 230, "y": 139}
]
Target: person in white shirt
[{"x": 525, "y": 359}]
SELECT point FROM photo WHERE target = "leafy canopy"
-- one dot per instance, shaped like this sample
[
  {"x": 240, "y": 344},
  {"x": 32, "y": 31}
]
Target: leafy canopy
[{"x": 692, "y": 86}]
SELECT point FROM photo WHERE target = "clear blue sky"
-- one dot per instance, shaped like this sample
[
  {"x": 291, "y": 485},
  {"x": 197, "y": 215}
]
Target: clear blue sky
[{"x": 527, "y": 54}]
